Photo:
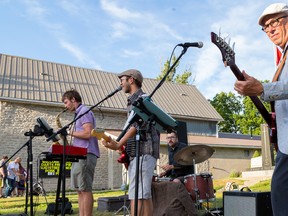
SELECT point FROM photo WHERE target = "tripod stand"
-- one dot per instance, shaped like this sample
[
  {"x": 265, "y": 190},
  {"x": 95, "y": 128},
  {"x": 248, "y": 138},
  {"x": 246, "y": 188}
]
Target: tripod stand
[{"x": 124, "y": 187}]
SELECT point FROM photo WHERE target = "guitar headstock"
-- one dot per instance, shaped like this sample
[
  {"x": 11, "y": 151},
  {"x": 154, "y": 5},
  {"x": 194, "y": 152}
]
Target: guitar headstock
[{"x": 228, "y": 55}]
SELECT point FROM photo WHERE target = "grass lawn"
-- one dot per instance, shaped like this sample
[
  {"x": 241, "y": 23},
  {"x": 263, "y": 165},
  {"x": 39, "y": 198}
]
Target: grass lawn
[{"x": 16, "y": 205}]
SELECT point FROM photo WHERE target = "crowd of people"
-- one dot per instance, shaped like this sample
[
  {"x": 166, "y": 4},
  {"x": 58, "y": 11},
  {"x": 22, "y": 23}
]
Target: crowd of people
[{"x": 12, "y": 178}]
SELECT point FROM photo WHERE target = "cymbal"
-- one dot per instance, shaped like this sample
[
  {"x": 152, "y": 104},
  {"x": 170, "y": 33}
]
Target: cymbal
[{"x": 198, "y": 153}]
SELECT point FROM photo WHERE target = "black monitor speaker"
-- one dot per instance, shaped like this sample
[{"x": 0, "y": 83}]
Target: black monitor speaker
[{"x": 237, "y": 203}]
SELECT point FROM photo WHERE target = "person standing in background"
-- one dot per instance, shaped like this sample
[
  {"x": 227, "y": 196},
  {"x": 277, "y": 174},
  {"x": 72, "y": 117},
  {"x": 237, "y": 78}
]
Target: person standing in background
[
  {"x": 22, "y": 180},
  {"x": 13, "y": 172},
  {"x": 3, "y": 174}
]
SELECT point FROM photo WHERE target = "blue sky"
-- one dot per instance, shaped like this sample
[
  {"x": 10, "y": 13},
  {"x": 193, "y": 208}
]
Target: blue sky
[{"x": 115, "y": 35}]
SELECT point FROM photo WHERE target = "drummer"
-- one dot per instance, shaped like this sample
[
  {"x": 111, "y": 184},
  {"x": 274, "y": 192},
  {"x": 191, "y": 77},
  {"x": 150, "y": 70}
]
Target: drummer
[{"x": 174, "y": 170}]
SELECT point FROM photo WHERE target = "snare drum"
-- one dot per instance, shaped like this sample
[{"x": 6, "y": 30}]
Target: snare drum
[{"x": 200, "y": 185}]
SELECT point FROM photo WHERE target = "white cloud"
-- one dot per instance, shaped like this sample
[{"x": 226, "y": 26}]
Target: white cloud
[
  {"x": 35, "y": 9},
  {"x": 136, "y": 23},
  {"x": 120, "y": 13},
  {"x": 129, "y": 53},
  {"x": 78, "y": 54}
]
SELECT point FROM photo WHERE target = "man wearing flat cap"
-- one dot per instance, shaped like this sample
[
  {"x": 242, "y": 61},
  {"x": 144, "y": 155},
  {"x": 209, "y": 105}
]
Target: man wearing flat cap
[
  {"x": 131, "y": 82},
  {"x": 274, "y": 22}
]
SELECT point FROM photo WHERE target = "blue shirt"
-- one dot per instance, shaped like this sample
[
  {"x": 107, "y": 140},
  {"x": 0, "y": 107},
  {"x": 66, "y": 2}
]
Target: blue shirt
[{"x": 278, "y": 92}]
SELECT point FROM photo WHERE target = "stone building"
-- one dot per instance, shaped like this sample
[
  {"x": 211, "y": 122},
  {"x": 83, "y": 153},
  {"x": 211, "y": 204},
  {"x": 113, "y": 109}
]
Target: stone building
[{"x": 33, "y": 88}]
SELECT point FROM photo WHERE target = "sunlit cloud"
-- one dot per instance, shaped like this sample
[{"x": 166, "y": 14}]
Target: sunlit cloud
[
  {"x": 130, "y": 53},
  {"x": 120, "y": 13},
  {"x": 78, "y": 54}
]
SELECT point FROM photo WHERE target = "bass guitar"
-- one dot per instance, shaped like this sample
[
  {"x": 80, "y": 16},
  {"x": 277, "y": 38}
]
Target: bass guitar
[
  {"x": 228, "y": 58},
  {"x": 124, "y": 158}
]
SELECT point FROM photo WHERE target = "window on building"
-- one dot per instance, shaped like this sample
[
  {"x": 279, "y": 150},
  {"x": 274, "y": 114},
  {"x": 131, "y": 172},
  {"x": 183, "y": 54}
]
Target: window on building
[{"x": 246, "y": 153}]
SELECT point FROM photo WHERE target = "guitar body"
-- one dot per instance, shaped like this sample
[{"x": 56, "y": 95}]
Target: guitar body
[
  {"x": 228, "y": 57},
  {"x": 124, "y": 158}
]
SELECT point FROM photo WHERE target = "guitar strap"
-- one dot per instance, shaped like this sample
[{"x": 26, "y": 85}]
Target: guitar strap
[
  {"x": 276, "y": 76},
  {"x": 280, "y": 67}
]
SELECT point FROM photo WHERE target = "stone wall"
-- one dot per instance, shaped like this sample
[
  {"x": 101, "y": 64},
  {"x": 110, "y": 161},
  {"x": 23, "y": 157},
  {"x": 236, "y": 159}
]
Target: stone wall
[{"x": 18, "y": 118}]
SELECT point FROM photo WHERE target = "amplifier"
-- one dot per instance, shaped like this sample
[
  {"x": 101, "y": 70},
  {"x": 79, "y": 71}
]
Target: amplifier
[{"x": 237, "y": 203}]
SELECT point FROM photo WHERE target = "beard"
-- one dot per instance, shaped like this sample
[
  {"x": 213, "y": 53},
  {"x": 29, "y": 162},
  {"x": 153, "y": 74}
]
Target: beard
[{"x": 127, "y": 88}]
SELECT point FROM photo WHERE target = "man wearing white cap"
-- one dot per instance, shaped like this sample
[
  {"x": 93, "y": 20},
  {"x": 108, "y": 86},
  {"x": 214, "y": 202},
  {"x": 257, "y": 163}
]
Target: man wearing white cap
[{"x": 274, "y": 22}]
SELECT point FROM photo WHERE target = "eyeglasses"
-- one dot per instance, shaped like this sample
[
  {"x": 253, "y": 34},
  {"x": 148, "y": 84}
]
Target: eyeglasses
[
  {"x": 172, "y": 137},
  {"x": 273, "y": 23}
]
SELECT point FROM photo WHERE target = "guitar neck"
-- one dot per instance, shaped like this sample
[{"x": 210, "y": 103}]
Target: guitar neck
[
  {"x": 259, "y": 105},
  {"x": 100, "y": 134}
]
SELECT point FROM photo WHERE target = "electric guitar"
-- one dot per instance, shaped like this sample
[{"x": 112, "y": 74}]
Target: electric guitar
[
  {"x": 124, "y": 158},
  {"x": 228, "y": 57}
]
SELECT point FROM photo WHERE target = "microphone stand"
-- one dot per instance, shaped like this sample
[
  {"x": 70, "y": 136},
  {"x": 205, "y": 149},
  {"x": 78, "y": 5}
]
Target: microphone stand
[
  {"x": 169, "y": 70},
  {"x": 63, "y": 132},
  {"x": 31, "y": 135}
]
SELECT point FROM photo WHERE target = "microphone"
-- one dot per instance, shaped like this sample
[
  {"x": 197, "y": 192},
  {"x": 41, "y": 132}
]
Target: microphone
[
  {"x": 115, "y": 91},
  {"x": 194, "y": 44}
]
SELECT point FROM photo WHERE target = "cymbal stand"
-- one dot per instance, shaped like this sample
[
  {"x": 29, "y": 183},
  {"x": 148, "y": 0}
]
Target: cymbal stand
[
  {"x": 207, "y": 192},
  {"x": 196, "y": 189},
  {"x": 215, "y": 212}
]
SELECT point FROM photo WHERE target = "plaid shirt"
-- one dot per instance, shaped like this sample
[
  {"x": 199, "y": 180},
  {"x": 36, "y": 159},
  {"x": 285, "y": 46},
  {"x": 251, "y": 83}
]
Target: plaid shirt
[{"x": 150, "y": 140}]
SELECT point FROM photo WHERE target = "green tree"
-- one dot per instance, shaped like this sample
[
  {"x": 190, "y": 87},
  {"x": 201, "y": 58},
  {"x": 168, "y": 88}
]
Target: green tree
[
  {"x": 251, "y": 119},
  {"x": 229, "y": 106},
  {"x": 239, "y": 113},
  {"x": 173, "y": 77}
]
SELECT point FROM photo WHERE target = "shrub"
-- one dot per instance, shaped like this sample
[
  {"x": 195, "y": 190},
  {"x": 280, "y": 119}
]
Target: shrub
[
  {"x": 235, "y": 174},
  {"x": 256, "y": 154}
]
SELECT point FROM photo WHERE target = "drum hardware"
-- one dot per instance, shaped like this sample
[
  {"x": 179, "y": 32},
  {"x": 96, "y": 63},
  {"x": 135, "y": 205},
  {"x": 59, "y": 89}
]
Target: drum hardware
[
  {"x": 200, "y": 189},
  {"x": 164, "y": 179}
]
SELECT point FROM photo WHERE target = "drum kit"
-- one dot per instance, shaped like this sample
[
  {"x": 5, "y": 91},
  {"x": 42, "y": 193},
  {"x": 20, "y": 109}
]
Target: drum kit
[{"x": 199, "y": 186}]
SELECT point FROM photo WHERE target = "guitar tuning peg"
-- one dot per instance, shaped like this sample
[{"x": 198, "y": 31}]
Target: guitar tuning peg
[
  {"x": 226, "y": 37},
  {"x": 219, "y": 32},
  {"x": 229, "y": 41},
  {"x": 233, "y": 46}
]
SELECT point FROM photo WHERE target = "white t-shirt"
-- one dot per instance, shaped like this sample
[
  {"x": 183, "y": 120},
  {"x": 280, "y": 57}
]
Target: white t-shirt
[{"x": 11, "y": 173}]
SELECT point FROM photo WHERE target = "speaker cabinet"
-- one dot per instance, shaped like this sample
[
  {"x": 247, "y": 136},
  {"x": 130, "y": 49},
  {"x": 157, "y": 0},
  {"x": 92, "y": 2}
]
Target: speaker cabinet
[
  {"x": 238, "y": 203},
  {"x": 182, "y": 132}
]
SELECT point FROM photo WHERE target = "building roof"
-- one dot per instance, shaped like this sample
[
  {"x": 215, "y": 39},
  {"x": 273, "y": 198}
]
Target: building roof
[{"x": 30, "y": 80}]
